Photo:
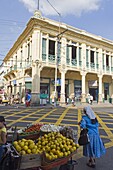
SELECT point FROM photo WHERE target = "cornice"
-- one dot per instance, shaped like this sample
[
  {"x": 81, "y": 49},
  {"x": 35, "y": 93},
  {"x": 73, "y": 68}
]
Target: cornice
[{"x": 52, "y": 27}]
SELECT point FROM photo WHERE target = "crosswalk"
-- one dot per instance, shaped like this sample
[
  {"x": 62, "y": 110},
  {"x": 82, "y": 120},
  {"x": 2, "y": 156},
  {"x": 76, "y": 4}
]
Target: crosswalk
[{"x": 59, "y": 116}]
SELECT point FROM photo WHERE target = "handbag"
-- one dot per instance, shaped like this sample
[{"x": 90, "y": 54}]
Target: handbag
[{"x": 84, "y": 138}]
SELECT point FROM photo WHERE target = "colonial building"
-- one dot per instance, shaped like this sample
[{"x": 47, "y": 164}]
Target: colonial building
[{"x": 55, "y": 58}]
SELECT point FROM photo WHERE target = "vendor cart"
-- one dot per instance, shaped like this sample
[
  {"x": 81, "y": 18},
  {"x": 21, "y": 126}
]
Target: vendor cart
[
  {"x": 13, "y": 161},
  {"x": 53, "y": 149}
]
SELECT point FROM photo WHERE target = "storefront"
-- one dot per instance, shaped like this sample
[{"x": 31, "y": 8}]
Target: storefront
[
  {"x": 77, "y": 88},
  {"x": 93, "y": 89},
  {"x": 106, "y": 91}
]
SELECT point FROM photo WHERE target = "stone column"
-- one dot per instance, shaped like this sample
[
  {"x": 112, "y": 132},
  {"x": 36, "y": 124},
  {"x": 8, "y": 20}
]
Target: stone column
[
  {"x": 100, "y": 89},
  {"x": 35, "y": 95},
  {"x": 83, "y": 100},
  {"x": 36, "y": 68},
  {"x": 83, "y": 54},
  {"x": 62, "y": 97}
]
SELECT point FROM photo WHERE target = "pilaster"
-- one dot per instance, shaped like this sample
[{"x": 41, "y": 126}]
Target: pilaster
[
  {"x": 83, "y": 74},
  {"x": 63, "y": 72},
  {"x": 36, "y": 69},
  {"x": 100, "y": 88}
]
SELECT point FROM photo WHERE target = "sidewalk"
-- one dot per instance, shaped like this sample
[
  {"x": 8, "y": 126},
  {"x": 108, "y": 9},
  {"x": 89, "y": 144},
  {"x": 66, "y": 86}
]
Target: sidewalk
[
  {"x": 77, "y": 105},
  {"x": 95, "y": 104}
]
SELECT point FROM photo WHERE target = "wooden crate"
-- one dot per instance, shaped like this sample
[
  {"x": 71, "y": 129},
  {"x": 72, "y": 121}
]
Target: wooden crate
[
  {"x": 49, "y": 165},
  {"x": 30, "y": 161}
]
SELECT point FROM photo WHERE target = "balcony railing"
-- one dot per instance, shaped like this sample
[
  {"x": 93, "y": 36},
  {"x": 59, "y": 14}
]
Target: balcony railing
[
  {"x": 97, "y": 66},
  {"x": 107, "y": 68},
  {"x": 51, "y": 58},
  {"x": 13, "y": 68},
  {"x": 80, "y": 63},
  {"x": 68, "y": 61},
  {"x": 87, "y": 64},
  {"x": 92, "y": 65},
  {"x": 74, "y": 62},
  {"x": 44, "y": 57}
]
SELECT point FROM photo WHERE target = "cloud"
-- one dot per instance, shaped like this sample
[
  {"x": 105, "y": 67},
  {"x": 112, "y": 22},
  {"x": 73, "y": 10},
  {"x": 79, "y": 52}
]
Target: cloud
[{"x": 64, "y": 7}]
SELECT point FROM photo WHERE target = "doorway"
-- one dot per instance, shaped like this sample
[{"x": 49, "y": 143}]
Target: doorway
[{"x": 94, "y": 93}]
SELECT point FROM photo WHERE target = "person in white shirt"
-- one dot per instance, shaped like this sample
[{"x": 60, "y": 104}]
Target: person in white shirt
[{"x": 91, "y": 99}]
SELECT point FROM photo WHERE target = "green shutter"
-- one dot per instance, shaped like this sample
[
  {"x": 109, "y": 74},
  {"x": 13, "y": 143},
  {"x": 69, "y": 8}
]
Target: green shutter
[{"x": 87, "y": 55}]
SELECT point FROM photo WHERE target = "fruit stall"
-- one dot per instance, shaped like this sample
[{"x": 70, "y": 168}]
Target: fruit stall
[{"x": 45, "y": 146}]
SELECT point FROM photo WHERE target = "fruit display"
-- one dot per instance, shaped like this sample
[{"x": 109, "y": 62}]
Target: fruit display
[
  {"x": 30, "y": 129},
  {"x": 69, "y": 133},
  {"x": 55, "y": 145},
  {"x": 50, "y": 128},
  {"x": 25, "y": 146}
]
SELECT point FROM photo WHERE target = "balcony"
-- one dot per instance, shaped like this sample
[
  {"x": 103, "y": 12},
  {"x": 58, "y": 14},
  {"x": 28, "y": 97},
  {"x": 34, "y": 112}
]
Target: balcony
[
  {"x": 74, "y": 62},
  {"x": 92, "y": 65},
  {"x": 12, "y": 68},
  {"x": 11, "y": 71},
  {"x": 44, "y": 57},
  {"x": 51, "y": 58}
]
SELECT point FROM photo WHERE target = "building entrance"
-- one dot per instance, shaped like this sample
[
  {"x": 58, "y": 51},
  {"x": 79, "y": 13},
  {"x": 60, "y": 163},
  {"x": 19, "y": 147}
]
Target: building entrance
[{"x": 94, "y": 93}]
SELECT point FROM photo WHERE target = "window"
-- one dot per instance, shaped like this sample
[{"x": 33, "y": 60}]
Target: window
[
  {"x": 87, "y": 55},
  {"x": 74, "y": 52},
  {"x": 107, "y": 60},
  {"x": 80, "y": 53},
  {"x": 92, "y": 56},
  {"x": 28, "y": 49},
  {"x": 67, "y": 52},
  {"x": 51, "y": 47},
  {"x": 97, "y": 57},
  {"x": 103, "y": 59},
  {"x": 43, "y": 46}
]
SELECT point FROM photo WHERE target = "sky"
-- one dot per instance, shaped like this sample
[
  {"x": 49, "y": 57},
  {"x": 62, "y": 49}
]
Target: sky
[{"x": 93, "y": 16}]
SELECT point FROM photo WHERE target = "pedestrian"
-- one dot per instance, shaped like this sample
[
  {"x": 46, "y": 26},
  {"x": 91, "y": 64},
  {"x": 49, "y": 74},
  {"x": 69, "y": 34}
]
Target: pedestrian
[
  {"x": 88, "y": 97},
  {"x": 67, "y": 100},
  {"x": 28, "y": 99},
  {"x": 53, "y": 99},
  {"x": 91, "y": 99},
  {"x": 73, "y": 101},
  {"x": 12, "y": 100},
  {"x": 3, "y": 134},
  {"x": 95, "y": 148}
]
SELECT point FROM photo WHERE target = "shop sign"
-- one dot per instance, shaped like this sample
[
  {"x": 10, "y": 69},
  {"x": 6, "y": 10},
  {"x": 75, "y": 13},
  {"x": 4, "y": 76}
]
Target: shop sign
[
  {"x": 28, "y": 79},
  {"x": 58, "y": 82},
  {"x": 92, "y": 83},
  {"x": 14, "y": 82}
]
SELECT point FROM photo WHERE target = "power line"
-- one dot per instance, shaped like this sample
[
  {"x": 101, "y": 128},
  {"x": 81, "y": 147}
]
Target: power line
[
  {"x": 53, "y": 8},
  {"x": 6, "y": 20}
]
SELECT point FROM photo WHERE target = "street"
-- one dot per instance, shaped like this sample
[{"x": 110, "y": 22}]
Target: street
[{"x": 21, "y": 117}]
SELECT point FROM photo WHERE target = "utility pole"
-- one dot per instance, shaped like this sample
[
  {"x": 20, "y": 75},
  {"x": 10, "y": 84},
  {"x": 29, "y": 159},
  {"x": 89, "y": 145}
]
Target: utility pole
[
  {"x": 38, "y": 4},
  {"x": 58, "y": 49}
]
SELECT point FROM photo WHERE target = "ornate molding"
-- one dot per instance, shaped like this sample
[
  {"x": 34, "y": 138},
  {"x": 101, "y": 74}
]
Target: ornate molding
[
  {"x": 83, "y": 73},
  {"x": 62, "y": 68}
]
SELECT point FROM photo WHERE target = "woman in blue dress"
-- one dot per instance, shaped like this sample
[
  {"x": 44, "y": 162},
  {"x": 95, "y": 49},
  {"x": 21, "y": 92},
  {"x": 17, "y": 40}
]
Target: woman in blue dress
[{"x": 94, "y": 149}]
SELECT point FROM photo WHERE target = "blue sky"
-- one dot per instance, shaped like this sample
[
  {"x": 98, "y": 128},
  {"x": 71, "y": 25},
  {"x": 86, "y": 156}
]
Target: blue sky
[{"x": 94, "y": 16}]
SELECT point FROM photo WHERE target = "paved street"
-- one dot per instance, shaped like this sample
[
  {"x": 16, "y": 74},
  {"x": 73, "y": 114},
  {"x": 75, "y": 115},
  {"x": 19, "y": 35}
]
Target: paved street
[{"x": 70, "y": 117}]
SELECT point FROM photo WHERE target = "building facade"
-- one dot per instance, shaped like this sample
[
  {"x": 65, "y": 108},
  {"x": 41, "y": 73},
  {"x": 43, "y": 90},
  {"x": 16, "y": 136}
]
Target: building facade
[{"x": 53, "y": 58}]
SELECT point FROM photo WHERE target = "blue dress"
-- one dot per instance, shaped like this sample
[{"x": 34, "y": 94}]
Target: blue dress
[{"x": 96, "y": 147}]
